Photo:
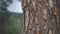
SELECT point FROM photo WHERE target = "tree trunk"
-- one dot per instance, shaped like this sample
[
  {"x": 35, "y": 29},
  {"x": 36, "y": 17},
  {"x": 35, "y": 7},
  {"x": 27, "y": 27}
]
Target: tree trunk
[{"x": 40, "y": 17}]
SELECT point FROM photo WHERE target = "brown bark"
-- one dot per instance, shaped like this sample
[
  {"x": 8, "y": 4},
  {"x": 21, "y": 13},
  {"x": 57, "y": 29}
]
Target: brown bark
[{"x": 40, "y": 17}]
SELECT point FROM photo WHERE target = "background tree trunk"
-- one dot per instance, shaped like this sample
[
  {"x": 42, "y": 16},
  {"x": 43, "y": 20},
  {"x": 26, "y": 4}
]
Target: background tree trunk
[{"x": 41, "y": 17}]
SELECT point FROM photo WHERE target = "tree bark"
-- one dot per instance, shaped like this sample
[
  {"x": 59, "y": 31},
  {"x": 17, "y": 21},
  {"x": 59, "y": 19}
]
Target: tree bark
[{"x": 40, "y": 17}]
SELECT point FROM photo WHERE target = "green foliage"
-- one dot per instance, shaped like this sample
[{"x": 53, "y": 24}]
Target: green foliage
[{"x": 13, "y": 23}]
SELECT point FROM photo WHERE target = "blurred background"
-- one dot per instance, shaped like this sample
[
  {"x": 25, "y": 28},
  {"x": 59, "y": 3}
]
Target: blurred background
[{"x": 10, "y": 17}]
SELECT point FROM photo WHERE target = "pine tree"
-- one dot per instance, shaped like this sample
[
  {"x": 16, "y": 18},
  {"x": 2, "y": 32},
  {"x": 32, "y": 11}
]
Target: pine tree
[{"x": 40, "y": 17}]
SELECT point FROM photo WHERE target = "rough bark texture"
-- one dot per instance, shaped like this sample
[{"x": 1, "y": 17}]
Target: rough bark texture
[{"x": 41, "y": 17}]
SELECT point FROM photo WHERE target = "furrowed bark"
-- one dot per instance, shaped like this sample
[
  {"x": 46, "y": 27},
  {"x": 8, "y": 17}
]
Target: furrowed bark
[{"x": 41, "y": 17}]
